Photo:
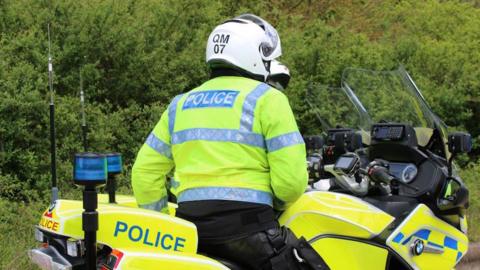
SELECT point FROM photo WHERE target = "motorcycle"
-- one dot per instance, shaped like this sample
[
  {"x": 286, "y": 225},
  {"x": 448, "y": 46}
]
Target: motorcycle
[{"x": 391, "y": 201}]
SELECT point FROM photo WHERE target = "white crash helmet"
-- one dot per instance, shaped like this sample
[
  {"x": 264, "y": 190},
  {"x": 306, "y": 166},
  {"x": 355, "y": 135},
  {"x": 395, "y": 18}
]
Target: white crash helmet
[
  {"x": 279, "y": 75},
  {"x": 246, "y": 42}
]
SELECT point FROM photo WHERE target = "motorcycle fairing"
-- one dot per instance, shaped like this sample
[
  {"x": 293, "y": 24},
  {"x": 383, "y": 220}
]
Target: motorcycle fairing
[
  {"x": 130, "y": 201},
  {"x": 121, "y": 200},
  {"x": 147, "y": 260},
  {"x": 444, "y": 244},
  {"x": 318, "y": 213},
  {"x": 339, "y": 253},
  {"x": 125, "y": 228}
]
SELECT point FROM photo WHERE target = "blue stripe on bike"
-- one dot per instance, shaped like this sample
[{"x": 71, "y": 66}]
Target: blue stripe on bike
[
  {"x": 423, "y": 234},
  {"x": 398, "y": 238},
  {"x": 450, "y": 243},
  {"x": 459, "y": 256}
]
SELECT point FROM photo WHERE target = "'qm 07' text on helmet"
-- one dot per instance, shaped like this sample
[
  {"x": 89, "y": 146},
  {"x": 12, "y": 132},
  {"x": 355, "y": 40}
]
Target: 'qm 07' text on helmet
[{"x": 246, "y": 42}]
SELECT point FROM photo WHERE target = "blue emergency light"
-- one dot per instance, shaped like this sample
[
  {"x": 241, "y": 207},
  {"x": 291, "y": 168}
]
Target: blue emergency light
[
  {"x": 90, "y": 169},
  {"x": 114, "y": 161}
]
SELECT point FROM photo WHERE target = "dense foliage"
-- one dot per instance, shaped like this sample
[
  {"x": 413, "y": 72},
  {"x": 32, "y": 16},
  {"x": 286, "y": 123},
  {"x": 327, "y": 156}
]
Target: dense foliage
[{"x": 134, "y": 56}]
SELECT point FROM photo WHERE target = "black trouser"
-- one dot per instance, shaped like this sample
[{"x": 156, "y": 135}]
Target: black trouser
[{"x": 256, "y": 251}]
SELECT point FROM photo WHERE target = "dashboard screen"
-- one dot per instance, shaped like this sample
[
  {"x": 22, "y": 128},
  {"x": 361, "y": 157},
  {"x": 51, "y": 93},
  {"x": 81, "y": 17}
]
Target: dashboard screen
[
  {"x": 388, "y": 132},
  {"x": 344, "y": 163}
]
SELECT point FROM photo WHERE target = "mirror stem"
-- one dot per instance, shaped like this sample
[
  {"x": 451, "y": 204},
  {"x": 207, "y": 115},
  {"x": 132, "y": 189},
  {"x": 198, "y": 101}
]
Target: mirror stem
[{"x": 450, "y": 165}]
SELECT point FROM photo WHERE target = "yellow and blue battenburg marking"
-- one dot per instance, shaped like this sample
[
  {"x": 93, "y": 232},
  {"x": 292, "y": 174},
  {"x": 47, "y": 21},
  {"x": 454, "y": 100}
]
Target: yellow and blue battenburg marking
[
  {"x": 212, "y": 98},
  {"x": 443, "y": 245},
  {"x": 424, "y": 234}
]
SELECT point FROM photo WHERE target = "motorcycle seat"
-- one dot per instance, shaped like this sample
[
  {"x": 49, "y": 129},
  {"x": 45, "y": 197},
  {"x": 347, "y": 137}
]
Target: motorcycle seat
[{"x": 396, "y": 206}]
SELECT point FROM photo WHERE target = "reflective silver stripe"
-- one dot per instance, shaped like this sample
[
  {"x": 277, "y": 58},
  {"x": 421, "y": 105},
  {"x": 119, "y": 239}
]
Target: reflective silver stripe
[
  {"x": 156, "y": 206},
  {"x": 218, "y": 135},
  {"x": 159, "y": 146},
  {"x": 226, "y": 193},
  {"x": 172, "y": 112},
  {"x": 285, "y": 140},
  {"x": 174, "y": 183},
  {"x": 248, "y": 109}
]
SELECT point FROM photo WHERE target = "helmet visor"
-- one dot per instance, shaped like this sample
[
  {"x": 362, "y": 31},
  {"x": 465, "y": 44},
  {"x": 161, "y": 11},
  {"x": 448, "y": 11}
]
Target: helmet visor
[{"x": 271, "y": 48}]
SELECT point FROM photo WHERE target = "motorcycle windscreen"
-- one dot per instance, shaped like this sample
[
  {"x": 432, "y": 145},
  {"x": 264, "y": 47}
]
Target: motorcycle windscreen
[
  {"x": 391, "y": 96},
  {"x": 332, "y": 108}
]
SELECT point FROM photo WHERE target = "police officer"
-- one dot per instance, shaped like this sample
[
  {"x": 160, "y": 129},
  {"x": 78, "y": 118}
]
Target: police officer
[
  {"x": 279, "y": 76},
  {"x": 236, "y": 150}
]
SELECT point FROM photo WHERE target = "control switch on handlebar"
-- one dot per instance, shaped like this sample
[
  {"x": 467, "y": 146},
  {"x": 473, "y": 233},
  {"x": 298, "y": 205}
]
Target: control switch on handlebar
[
  {"x": 314, "y": 167},
  {"x": 378, "y": 171},
  {"x": 380, "y": 174}
]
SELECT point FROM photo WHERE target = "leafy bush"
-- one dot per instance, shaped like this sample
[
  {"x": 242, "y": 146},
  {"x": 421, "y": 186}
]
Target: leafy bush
[
  {"x": 471, "y": 176},
  {"x": 134, "y": 56},
  {"x": 16, "y": 225}
]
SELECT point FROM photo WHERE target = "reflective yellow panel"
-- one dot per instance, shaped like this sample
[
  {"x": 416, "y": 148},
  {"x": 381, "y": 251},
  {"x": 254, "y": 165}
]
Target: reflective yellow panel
[{"x": 341, "y": 254}]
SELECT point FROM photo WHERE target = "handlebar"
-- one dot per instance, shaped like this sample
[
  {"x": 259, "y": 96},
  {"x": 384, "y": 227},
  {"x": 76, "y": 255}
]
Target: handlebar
[
  {"x": 378, "y": 171},
  {"x": 380, "y": 174}
]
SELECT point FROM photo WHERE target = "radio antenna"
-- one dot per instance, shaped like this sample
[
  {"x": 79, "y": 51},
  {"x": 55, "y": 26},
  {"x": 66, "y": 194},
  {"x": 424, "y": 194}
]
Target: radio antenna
[
  {"x": 84, "y": 122},
  {"x": 53, "y": 150}
]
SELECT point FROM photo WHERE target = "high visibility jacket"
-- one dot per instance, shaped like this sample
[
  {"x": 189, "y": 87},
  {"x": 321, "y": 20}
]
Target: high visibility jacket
[{"x": 232, "y": 138}]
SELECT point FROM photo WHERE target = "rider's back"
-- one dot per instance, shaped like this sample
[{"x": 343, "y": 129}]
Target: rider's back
[{"x": 221, "y": 138}]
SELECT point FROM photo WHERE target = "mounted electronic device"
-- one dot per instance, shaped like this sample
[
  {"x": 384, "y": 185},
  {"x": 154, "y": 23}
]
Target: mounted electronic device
[
  {"x": 339, "y": 142},
  {"x": 347, "y": 164},
  {"x": 347, "y": 176}
]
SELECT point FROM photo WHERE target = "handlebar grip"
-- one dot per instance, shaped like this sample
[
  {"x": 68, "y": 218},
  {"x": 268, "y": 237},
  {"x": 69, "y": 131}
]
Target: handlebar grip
[{"x": 380, "y": 174}]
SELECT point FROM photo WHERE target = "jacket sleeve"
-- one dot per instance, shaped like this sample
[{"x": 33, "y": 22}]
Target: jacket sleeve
[
  {"x": 154, "y": 161},
  {"x": 285, "y": 149}
]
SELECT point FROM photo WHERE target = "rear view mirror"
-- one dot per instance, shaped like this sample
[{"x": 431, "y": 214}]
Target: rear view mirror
[
  {"x": 459, "y": 142},
  {"x": 349, "y": 141},
  {"x": 456, "y": 195}
]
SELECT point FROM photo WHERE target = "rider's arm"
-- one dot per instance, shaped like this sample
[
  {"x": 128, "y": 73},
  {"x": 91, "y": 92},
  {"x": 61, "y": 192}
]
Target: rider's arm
[
  {"x": 285, "y": 148},
  {"x": 153, "y": 163}
]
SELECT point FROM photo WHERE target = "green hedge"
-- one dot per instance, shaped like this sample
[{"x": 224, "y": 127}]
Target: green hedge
[
  {"x": 135, "y": 56},
  {"x": 470, "y": 175}
]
